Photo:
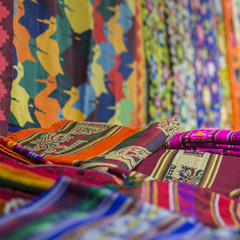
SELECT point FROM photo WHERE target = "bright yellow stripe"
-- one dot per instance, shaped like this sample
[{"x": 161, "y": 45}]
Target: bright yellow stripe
[
  {"x": 212, "y": 210},
  {"x": 25, "y": 177}
]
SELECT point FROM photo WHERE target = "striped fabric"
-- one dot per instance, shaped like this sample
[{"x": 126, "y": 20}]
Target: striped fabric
[
  {"x": 70, "y": 210},
  {"x": 36, "y": 179},
  {"x": 208, "y": 170},
  {"x": 220, "y": 141},
  {"x": 210, "y": 208},
  {"x": 97, "y": 145}
]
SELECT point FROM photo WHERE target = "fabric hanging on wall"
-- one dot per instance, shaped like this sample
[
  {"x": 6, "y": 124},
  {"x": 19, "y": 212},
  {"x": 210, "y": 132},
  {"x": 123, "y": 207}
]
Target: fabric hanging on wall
[
  {"x": 6, "y": 55},
  {"x": 223, "y": 68},
  {"x": 182, "y": 58},
  {"x": 233, "y": 49},
  {"x": 206, "y": 65},
  {"x": 79, "y": 60},
  {"x": 158, "y": 61}
]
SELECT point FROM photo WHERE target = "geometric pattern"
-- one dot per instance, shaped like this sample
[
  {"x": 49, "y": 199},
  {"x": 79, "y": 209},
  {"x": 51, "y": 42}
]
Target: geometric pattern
[{"x": 6, "y": 54}]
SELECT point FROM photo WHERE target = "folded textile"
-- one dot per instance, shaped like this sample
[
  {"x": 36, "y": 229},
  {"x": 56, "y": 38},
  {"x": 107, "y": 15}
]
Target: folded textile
[
  {"x": 212, "y": 209},
  {"x": 36, "y": 179},
  {"x": 97, "y": 145},
  {"x": 20, "y": 153},
  {"x": 219, "y": 141},
  {"x": 217, "y": 172},
  {"x": 71, "y": 210}
]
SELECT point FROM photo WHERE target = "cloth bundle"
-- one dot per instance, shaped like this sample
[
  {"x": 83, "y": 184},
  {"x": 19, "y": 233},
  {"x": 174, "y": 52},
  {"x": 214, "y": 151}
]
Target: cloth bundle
[{"x": 218, "y": 141}]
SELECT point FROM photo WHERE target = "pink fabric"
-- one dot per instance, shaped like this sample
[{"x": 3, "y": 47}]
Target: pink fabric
[{"x": 218, "y": 141}]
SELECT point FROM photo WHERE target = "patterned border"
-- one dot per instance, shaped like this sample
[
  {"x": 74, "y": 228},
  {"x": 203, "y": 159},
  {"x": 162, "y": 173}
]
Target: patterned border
[{"x": 6, "y": 56}]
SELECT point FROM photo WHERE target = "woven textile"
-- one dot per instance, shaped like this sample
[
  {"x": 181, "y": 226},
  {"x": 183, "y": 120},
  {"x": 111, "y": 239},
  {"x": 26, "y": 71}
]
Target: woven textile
[
  {"x": 84, "y": 59},
  {"x": 11, "y": 199},
  {"x": 6, "y": 62},
  {"x": 158, "y": 61},
  {"x": 72, "y": 210},
  {"x": 219, "y": 141},
  {"x": 97, "y": 145},
  {"x": 208, "y": 170},
  {"x": 182, "y": 59},
  {"x": 223, "y": 67},
  {"x": 205, "y": 62},
  {"x": 210, "y": 208},
  {"x": 20, "y": 176},
  {"x": 231, "y": 11}
]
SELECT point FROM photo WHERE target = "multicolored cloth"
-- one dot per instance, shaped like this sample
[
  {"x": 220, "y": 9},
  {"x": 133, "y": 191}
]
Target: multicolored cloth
[
  {"x": 158, "y": 61},
  {"x": 78, "y": 205},
  {"x": 182, "y": 63},
  {"x": 219, "y": 141},
  {"x": 208, "y": 170},
  {"x": 97, "y": 145},
  {"x": 6, "y": 62},
  {"x": 210, "y": 208},
  {"x": 226, "y": 118},
  {"x": 231, "y": 11},
  {"x": 206, "y": 64},
  {"x": 36, "y": 179},
  {"x": 72, "y": 210},
  {"x": 85, "y": 59}
]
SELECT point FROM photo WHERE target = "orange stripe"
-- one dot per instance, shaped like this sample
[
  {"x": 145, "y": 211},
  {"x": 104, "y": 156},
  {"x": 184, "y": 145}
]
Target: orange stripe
[
  {"x": 25, "y": 174},
  {"x": 15, "y": 155},
  {"x": 24, "y": 133}
]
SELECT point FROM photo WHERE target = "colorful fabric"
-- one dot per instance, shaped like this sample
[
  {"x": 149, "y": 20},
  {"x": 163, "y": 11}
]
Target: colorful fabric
[
  {"x": 233, "y": 46},
  {"x": 182, "y": 59},
  {"x": 20, "y": 153},
  {"x": 208, "y": 170},
  {"x": 6, "y": 62},
  {"x": 206, "y": 64},
  {"x": 97, "y": 145},
  {"x": 158, "y": 61},
  {"x": 223, "y": 68},
  {"x": 71, "y": 210},
  {"x": 36, "y": 179},
  {"x": 219, "y": 141},
  {"x": 11, "y": 199},
  {"x": 85, "y": 59},
  {"x": 210, "y": 208}
]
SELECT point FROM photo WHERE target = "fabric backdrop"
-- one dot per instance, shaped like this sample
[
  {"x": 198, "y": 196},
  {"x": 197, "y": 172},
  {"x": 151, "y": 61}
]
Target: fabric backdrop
[{"x": 79, "y": 60}]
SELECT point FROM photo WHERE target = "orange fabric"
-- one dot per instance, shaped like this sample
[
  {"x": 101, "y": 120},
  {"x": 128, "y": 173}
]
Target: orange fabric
[
  {"x": 233, "y": 61},
  {"x": 95, "y": 150},
  {"x": 26, "y": 132}
]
